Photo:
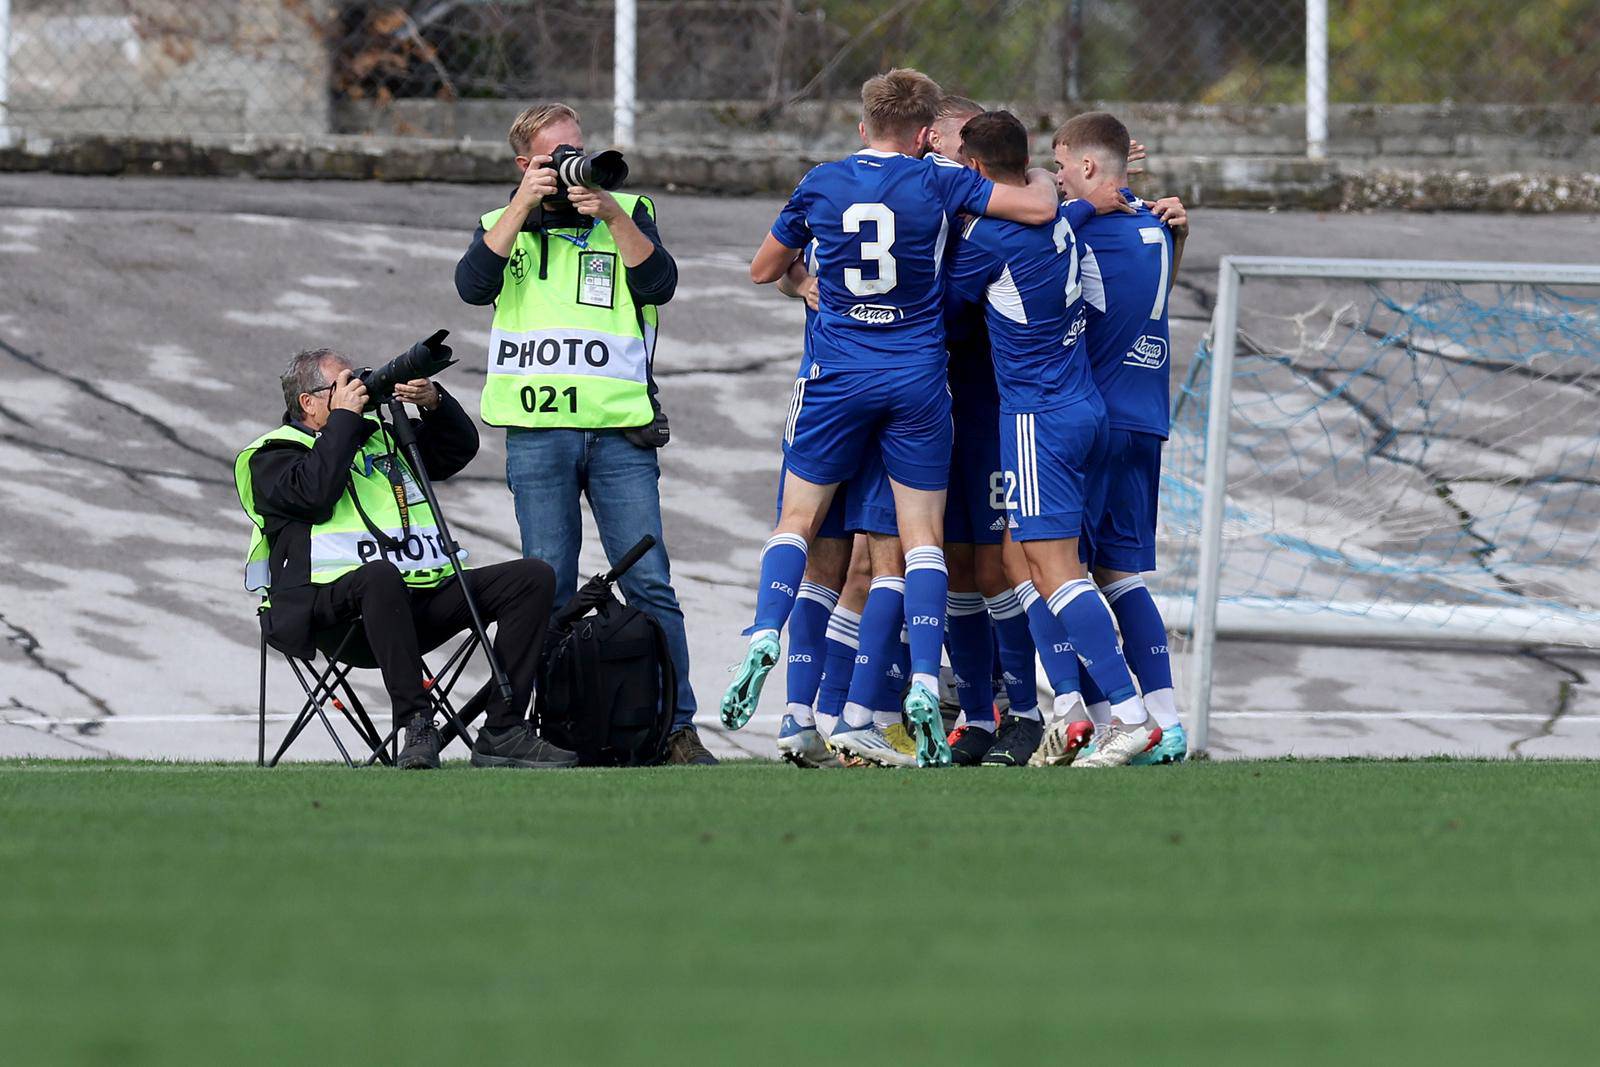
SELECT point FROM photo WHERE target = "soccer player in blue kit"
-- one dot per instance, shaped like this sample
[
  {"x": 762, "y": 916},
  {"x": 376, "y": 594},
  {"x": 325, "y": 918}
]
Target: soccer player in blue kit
[
  {"x": 1128, "y": 267},
  {"x": 881, "y": 218},
  {"x": 1053, "y": 424}
]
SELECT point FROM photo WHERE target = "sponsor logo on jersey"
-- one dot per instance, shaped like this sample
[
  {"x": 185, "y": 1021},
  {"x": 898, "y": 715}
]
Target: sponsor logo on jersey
[
  {"x": 875, "y": 314},
  {"x": 1148, "y": 352},
  {"x": 999, "y": 524},
  {"x": 1075, "y": 331}
]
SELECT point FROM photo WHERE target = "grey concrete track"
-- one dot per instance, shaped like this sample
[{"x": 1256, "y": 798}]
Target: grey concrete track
[{"x": 142, "y": 326}]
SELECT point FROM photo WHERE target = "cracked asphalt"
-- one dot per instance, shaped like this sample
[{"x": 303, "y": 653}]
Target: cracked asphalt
[{"x": 142, "y": 326}]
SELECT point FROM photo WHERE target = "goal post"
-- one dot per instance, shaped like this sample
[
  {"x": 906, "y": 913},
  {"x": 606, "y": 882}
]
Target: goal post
[{"x": 1384, "y": 452}]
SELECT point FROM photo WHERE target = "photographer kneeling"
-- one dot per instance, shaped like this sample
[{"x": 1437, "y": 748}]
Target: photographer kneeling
[{"x": 343, "y": 533}]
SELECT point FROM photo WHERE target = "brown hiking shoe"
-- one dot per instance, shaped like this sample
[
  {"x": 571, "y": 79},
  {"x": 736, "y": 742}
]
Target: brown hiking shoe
[{"x": 684, "y": 746}]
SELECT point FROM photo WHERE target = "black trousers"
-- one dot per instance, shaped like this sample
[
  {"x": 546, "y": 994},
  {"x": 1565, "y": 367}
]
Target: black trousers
[{"x": 402, "y": 623}]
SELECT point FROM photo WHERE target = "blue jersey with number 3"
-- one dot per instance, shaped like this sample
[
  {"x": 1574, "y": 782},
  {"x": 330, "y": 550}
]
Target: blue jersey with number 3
[
  {"x": 1127, "y": 265},
  {"x": 1027, "y": 278},
  {"x": 881, "y": 221}
]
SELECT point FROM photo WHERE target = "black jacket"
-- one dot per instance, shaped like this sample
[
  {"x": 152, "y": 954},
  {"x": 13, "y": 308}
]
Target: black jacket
[{"x": 297, "y": 487}]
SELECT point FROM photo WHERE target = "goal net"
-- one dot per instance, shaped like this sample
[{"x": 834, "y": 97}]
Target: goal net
[{"x": 1385, "y": 452}]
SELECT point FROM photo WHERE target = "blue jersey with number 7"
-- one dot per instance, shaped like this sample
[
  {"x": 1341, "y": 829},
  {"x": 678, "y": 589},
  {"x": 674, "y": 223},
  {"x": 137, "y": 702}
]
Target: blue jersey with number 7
[
  {"x": 881, "y": 221},
  {"x": 1127, "y": 272}
]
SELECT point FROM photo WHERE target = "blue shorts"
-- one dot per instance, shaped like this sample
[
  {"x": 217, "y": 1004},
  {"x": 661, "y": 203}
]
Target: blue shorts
[
  {"x": 1120, "y": 526},
  {"x": 833, "y": 522},
  {"x": 837, "y": 416},
  {"x": 869, "y": 500},
  {"x": 1047, "y": 457},
  {"x": 975, "y": 509}
]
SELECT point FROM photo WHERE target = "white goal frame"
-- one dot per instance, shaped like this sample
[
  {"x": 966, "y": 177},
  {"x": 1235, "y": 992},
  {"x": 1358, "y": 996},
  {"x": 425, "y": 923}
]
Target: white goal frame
[{"x": 1264, "y": 618}]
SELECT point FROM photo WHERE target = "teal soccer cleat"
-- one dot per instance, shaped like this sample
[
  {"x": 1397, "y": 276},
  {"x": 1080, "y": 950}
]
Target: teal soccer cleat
[
  {"x": 1172, "y": 748},
  {"x": 739, "y": 702},
  {"x": 927, "y": 727}
]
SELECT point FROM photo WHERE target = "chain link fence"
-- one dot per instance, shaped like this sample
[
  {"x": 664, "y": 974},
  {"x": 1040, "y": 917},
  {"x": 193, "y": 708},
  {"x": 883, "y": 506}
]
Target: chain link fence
[{"x": 285, "y": 68}]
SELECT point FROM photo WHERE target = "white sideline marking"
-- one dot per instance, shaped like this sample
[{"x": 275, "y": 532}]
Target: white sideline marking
[{"x": 1310, "y": 715}]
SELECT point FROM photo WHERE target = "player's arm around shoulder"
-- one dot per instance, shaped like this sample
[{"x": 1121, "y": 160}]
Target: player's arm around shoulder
[
  {"x": 1170, "y": 210},
  {"x": 1033, "y": 204}
]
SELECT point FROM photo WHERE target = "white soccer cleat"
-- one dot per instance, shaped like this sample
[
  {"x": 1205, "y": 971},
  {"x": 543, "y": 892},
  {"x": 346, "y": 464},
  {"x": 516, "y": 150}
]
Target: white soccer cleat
[
  {"x": 803, "y": 746},
  {"x": 1065, "y": 738},
  {"x": 1120, "y": 742},
  {"x": 874, "y": 746}
]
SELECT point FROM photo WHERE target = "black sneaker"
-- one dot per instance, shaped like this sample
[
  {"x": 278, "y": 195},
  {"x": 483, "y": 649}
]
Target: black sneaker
[
  {"x": 968, "y": 745},
  {"x": 1015, "y": 742},
  {"x": 518, "y": 746},
  {"x": 421, "y": 750},
  {"x": 684, "y": 746}
]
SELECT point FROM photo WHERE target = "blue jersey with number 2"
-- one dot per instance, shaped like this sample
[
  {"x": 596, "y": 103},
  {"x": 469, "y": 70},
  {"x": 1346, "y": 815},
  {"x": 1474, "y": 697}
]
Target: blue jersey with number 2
[
  {"x": 1027, "y": 279},
  {"x": 881, "y": 221}
]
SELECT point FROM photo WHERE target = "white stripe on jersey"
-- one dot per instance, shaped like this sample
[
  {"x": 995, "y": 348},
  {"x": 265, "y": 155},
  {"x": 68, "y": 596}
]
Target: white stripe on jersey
[
  {"x": 943, "y": 161},
  {"x": 1004, "y": 297},
  {"x": 1094, "y": 286},
  {"x": 938, "y": 246}
]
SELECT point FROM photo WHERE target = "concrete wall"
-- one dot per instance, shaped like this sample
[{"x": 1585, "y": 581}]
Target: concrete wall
[{"x": 169, "y": 68}]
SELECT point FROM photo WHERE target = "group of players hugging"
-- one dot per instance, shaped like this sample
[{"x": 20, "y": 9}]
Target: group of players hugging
[{"x": 973, "y": 447}]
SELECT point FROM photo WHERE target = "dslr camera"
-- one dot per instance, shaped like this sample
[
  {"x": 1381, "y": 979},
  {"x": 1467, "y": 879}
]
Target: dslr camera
[
  {"x": 603, "y": 170},
  {"x": 422, "y": 360}
]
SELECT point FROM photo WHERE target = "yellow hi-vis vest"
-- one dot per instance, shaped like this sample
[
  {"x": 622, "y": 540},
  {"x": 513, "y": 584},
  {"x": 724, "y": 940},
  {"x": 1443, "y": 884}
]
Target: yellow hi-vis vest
[
  {"x": 344, "y": 542},
  {"x": 570, "y": 350}
]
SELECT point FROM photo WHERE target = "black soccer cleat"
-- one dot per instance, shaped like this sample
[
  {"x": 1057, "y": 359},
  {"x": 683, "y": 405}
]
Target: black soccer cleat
[
  {"x": 1016, "y": 741},
  {"x": 519, "y": 746},
  {"x": 968, "y": 745},
  {"x": 421, "y": 750}
]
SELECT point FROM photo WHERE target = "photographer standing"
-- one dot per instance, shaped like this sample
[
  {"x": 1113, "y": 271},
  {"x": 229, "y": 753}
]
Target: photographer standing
[{"x": 576, "y": 275}]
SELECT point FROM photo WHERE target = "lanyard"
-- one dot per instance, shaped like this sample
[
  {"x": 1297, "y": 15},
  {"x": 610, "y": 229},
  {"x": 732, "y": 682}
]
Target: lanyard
[{"x": 581, "y": 243}]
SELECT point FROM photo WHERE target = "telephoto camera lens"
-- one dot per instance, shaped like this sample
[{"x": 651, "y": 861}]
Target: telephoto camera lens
[
  {"x": 422, "y": 360},
  {"x": 603, "y": 170}
]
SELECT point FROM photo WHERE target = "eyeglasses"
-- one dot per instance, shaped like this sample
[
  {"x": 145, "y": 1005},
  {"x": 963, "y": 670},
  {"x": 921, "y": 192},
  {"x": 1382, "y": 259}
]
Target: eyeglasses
[{"x": 323, "y": 389}]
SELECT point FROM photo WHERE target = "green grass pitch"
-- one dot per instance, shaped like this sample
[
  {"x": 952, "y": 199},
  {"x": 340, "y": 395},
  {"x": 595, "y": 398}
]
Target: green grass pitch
[{"x": 1283, "y": 913}]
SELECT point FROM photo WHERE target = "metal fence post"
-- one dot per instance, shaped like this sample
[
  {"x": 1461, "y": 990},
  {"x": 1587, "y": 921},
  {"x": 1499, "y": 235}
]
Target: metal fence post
[
  {"x": 1316, "y": 79},
  {"x": 624, "y": 62},
  {"x": 5, "y": 73},
  {"x": 1213, "y": 500}
]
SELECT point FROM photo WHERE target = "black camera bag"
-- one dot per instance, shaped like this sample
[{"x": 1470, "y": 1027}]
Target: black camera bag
[{"x": 608, "y": 690}]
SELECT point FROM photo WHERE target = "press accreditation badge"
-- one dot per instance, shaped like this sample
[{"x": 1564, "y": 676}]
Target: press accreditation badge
[{"x": 597, "y": 278}]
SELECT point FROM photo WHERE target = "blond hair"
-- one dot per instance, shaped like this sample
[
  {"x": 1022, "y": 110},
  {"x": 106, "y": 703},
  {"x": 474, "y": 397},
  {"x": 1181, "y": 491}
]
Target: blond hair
[
  {"x": 959, "y": 107},
  {"x": 899, "y": 103},
  {"x": 528, "y": 125}
]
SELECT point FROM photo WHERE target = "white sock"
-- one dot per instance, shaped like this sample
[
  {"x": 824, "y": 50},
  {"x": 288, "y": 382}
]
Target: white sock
[
  {"x": 804, "y": 714},
  {"x": 759, "y": 634},
  {"x": 1031, "y": 714},
  {"x": 885, "y": 719},
  {"x": 1163, "y": 708},
  {"x": 1100, "y": 713},
  {"x": 986, "y": 725},
  {"x": 1070, "y": 706},
  {"x": 1130, "y": 712},
  {"x": 826, "y": 724},
  {"x": 929, "y": 680},
  {"x": 856, "y": 716}
]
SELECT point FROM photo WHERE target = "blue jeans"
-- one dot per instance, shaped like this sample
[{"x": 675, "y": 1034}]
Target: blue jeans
[{"x": 547, "y": 470}]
